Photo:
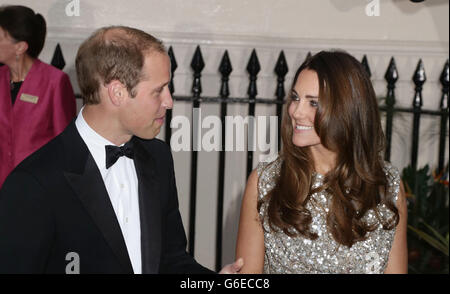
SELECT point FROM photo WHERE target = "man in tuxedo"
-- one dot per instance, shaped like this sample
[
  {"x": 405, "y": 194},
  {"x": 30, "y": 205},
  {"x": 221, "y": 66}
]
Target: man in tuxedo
[{"x": 103, "y": 192}]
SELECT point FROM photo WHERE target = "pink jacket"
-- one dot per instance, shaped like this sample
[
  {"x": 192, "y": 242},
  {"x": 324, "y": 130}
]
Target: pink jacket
[{"x": 44, "y": 106}]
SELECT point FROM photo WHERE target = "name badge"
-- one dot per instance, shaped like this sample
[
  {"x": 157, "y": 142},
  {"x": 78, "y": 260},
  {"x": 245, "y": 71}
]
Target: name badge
[{"x": 29, "y": 98}]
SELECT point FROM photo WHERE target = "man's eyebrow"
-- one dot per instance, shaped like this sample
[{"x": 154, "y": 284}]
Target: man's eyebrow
[
  {"x": 165, "y": 84},
  {"x": 162, "y": 85}
]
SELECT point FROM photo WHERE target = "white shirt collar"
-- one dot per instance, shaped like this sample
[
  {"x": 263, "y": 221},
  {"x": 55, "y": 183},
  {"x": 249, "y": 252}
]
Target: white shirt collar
[{"x": 94, "y": 141}]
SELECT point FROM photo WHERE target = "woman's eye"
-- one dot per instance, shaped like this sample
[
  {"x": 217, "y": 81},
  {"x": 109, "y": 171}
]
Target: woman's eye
[
  {"x": 294, "y": 97},
  {"x": 314, "y": 103}
]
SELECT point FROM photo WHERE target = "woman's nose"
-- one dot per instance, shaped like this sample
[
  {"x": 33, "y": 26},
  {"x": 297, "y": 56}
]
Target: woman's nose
[{"x": 300, "y": 110}]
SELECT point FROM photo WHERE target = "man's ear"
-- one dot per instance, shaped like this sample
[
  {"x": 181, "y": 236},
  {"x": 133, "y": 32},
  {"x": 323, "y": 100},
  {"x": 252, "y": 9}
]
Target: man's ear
[{"x": 117, "y": 92}]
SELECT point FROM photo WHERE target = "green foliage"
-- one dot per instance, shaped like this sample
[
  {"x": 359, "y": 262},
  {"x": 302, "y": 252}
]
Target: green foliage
[{"x": 428, "y": 219}]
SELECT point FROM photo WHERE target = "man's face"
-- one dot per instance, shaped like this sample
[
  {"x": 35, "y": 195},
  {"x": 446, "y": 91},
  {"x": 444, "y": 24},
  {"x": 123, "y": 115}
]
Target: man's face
[{"x": 144, "y": 114}]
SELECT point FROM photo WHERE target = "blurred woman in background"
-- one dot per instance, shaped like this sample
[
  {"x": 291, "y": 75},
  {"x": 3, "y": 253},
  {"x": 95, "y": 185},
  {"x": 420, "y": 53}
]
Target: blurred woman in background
[{"x": 36, "y": 99}]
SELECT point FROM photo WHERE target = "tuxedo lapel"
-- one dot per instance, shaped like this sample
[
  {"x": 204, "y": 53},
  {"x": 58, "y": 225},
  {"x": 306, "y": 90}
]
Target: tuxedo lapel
[
  {"x": 149, "y": 207},
  {"x": 84, "y": 177}
]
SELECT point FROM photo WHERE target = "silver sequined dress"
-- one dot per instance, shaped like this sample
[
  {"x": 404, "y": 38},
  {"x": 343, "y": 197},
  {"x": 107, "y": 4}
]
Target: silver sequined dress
[{"x": 298, "y": 255}]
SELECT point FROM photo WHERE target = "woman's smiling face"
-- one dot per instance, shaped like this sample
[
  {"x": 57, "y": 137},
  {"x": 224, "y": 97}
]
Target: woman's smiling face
[{"x": 303, "y": 107}]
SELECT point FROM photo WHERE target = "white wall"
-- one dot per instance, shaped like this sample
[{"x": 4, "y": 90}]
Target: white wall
[{"x": 404, "y": 30}]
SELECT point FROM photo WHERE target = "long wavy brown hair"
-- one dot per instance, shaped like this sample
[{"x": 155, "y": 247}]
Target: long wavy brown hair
[{"x": 348, "y": 123}]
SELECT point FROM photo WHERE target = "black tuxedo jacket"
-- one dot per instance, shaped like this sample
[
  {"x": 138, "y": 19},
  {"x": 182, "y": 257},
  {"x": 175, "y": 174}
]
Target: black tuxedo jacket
[{"x": 55, "y": 202}]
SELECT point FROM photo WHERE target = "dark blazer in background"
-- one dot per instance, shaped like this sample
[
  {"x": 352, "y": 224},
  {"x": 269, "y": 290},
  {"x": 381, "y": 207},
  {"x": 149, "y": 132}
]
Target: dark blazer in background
[{"x": 55, "y": 202}]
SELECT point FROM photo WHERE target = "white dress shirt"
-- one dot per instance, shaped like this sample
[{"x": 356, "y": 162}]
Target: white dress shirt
[{"x": 122, "y": 185}]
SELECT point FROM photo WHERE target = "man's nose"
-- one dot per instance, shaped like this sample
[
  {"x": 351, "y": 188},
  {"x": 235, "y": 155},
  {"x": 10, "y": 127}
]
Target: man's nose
[{"x": 167, "y": 99}]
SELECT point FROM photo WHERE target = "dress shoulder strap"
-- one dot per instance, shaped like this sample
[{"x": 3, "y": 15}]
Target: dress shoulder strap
[
  {"x": 267, "y": 172},
  {"x": 393, "y": 177}
]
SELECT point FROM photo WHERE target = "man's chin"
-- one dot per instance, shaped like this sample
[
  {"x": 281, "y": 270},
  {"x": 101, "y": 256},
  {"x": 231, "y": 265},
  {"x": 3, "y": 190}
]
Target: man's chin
[{"x": 147, "y": 136}]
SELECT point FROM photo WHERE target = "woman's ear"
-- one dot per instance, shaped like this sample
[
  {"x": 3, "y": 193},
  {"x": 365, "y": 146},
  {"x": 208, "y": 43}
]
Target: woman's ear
[{"x": 21, "y": 47}]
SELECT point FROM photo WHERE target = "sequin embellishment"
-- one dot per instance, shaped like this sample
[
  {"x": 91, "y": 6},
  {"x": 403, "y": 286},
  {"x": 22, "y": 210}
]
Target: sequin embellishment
[{"x": 299, "y": 255}]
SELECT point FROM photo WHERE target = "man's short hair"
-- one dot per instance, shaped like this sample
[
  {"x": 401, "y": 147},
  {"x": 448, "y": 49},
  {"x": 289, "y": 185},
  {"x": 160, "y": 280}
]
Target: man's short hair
[{"x": 113, "y": 53}]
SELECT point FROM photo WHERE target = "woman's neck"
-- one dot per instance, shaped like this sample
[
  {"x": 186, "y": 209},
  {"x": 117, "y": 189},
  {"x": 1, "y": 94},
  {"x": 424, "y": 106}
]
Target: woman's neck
[
  {"x": 324, "y": 159},
  {"x": 20, "y": 68}
]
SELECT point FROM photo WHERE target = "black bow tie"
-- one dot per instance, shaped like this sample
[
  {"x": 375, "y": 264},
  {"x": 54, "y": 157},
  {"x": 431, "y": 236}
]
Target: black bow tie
[{"x": 113, "y": 153}]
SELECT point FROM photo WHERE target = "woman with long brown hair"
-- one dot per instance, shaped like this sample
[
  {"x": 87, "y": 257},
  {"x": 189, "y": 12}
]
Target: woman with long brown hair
[{"x": 328, "y": 203}]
